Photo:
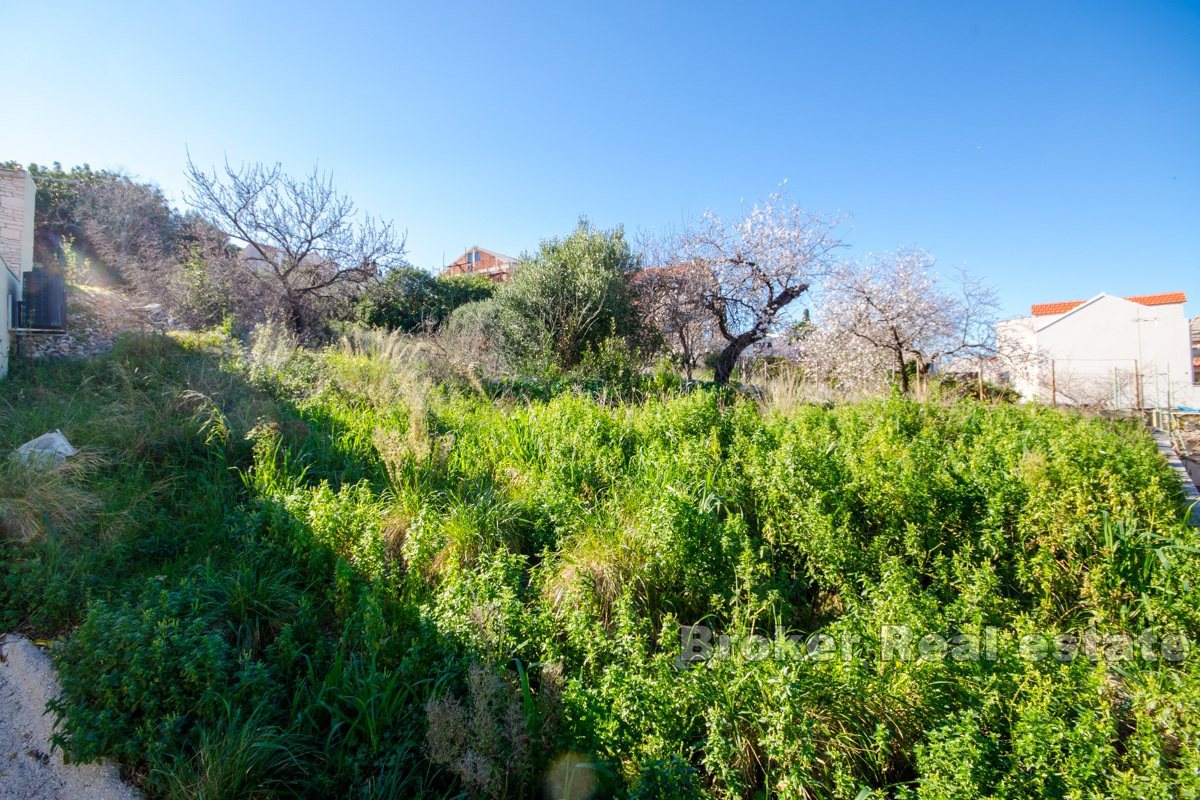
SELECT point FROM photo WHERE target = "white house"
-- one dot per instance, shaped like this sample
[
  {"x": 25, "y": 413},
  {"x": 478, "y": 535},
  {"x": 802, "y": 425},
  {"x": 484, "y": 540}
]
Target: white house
[{"x": 1116, "y": 352}]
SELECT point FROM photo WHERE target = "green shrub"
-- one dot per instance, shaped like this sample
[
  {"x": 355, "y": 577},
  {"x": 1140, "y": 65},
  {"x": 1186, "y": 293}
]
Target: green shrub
[
  {"x": 567, "y": 299},
  {"x": 137, "y": 677},
  {"x": 413, "y": 301},
  {"x": 612, "y": 367},
  {"x": 667, "y": 779}
]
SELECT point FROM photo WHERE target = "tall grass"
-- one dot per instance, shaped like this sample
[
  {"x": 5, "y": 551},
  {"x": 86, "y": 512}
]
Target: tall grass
[{"x": 238, "y": 756}]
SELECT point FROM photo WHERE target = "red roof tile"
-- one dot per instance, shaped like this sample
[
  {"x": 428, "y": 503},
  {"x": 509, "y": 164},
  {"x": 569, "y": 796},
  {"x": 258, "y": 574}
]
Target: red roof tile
[
  {"x": 1043, "y": 309},
  {"x": 1159, "y": 299},
  {"x": 1046, "y": 309}
]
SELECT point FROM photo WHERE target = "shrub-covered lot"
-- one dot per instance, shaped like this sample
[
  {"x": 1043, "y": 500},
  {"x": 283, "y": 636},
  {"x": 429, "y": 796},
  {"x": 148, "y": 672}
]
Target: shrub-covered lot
[{"x": 355, "y": 573}]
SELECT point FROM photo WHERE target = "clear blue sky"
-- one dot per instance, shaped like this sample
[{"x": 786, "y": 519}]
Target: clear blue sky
[{"x": 1051, "y": 148}]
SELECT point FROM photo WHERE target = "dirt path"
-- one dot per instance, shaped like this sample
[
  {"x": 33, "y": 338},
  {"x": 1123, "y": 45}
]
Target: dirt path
[{"x": 28, "y": 768}]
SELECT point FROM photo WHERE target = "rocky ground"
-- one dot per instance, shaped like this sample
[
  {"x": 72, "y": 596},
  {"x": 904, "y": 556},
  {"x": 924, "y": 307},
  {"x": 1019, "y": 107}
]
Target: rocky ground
[
  {"x": 95, "y": 316},
  {"x": 30, "y": 768}
]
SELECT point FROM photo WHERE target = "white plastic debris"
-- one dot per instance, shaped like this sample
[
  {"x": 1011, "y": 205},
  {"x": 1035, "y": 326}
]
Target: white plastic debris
[{"x": 47, "y": 450}]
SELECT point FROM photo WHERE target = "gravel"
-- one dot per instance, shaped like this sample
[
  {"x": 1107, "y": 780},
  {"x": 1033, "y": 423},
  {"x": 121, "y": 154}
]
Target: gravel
[{"x": 29, "y": 768}]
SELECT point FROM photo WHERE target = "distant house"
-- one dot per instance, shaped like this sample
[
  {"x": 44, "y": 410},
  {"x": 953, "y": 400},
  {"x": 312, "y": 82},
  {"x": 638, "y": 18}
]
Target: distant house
[
  {"x": 1116, "y": 352},
  {"x": 477, "y": 261}
]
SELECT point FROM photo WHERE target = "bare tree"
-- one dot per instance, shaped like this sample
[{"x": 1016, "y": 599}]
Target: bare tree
[
  {"x": 891, "y": 313},
  {"x": 304, "y": 240},
  {"x": 755, "y": 268},
  {"x": 671, "y": 298}
]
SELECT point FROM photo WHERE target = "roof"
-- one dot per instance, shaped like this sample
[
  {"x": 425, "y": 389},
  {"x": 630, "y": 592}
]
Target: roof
[
  {"x": 492, "y": 253},
  {"x": 1044, "y": 309},
  {"x": 1168, "y": 298},
  {"x": 1159, "y": 299}
]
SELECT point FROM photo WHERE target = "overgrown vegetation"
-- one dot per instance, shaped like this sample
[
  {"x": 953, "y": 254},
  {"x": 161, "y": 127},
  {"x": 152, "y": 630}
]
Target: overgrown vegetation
[
  {"x": 413, "y": 301},
  {"x": 363, "y": 571}
]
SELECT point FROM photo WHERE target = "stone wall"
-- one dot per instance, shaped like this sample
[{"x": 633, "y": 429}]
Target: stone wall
[
  {"x": 17, "y": 194},
  {"x": 96, "y": 316}
]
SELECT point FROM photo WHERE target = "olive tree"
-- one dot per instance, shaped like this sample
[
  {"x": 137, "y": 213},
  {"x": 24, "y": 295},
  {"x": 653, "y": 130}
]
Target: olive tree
[{"x": 570, "y": 296}]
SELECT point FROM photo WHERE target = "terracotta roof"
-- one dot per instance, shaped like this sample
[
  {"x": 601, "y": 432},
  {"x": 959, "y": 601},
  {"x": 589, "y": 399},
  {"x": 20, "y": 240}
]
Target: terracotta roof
[
  {"x": 1046, "y": 309},
  {"x": 1043, "y": 309},
  {"x": 1159, "y": 299}
]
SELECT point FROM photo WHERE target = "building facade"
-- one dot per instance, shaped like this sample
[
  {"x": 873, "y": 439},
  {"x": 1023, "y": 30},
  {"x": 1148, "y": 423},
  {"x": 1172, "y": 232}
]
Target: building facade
[
  {"x": 477, "y": 261},
  {"x": 17, "y": 198},
  {"x": 1113, "y": 352}
]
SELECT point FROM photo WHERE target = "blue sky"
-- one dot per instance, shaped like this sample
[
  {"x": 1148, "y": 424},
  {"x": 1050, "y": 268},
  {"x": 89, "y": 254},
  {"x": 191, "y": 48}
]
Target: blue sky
[{"x": 1051, "y": 148}]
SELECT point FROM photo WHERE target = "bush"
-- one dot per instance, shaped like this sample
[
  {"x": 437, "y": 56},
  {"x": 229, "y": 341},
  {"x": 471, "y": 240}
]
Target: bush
[
  {"x": 137, "y": 677},
  {"x": 667, "y": 779},
  {"x": 413, "y": 301},
  {"x": 475, "y": 333},
  {"x": 612, "y": 367},
  {"x": 566, "y": 300}
]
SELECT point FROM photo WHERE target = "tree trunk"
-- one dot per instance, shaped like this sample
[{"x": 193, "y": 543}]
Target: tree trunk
[
  {"x": 903, "y": 374},
  {"x": 729, "y": 356},
  {"x": 294, "y": 313}
]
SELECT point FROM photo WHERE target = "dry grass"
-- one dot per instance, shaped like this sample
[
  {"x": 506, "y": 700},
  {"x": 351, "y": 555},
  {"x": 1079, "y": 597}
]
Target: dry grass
[
  {"x": 401, "y": 362},
  {"x": 38, "y": 497},
  {"x": 782, "y": 388},
  {"x": 597, "y": 567},
  {"x": 383, "y": 367}
]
